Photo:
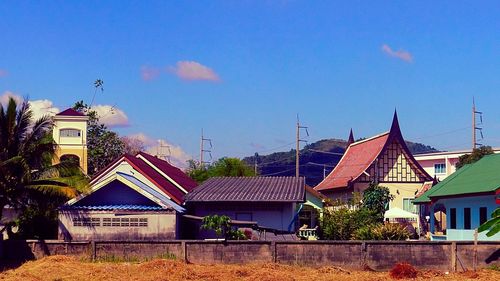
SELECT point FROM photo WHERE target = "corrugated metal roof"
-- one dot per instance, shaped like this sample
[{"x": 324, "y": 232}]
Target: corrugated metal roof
[
  {"x": 116, "y": 207},
  {"x": 480, "y": 177},
  {"x": 249, "y": 189},
  {"x": 152, "y": 192}
]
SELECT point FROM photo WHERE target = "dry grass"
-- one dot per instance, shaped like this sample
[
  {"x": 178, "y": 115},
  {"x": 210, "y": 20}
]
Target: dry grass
[{"x": 58, "y": 268}]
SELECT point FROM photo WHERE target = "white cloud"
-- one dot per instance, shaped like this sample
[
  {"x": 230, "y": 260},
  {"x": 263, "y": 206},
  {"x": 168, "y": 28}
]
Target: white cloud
[
  {"x": 400, "y": 54},
  {"x": 111, "y": 116},
  {"x": 192, "y": 71},
  {"x": 165, "y": 149},
  {"x": 149, "y": 73},
  {"x": 43, "y": 107},
  {"x": 38, "y": 107}
]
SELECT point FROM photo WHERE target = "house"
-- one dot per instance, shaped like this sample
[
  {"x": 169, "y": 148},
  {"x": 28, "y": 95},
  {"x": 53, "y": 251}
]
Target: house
[
  {"x": 468, "y": 197},
  {"x": 383, "y": 159},
  {"x": 70, "y": 135},
  {"x": 270, "y": 202},
  {"x": 134, "y": 198},
  {"x": 442, "y": 164}
]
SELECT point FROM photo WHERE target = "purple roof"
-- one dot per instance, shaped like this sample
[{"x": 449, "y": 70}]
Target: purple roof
[
  {"x": 70, "y": 112},
  {"x": 249, "y": 189},
  {"x": 149, "y": 172}
]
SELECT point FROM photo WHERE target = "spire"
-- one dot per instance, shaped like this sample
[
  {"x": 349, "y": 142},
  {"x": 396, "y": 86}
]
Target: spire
[
  {"x": 351, "y": 139},
  {"x": 395, "y": 122}
]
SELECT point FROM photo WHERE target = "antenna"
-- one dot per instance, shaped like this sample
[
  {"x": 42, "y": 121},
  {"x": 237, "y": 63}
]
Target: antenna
[
  {"x": 203, "y": 140},
  {"x": 475, "y": 128},
  {"x": 297, "y": 150}
]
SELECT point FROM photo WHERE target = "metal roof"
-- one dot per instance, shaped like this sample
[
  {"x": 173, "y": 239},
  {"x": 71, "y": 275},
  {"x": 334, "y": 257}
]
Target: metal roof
[
  {"x": 477, "y": 178},
  {"x": 116, "y": 207},
  {"x": 249, "y": 189}
]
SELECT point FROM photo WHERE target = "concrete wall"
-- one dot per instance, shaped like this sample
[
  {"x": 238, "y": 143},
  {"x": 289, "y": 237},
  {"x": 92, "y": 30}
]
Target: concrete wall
[
  {"x": 159, "y": 226},
  {"x": 378, "y": 255}
]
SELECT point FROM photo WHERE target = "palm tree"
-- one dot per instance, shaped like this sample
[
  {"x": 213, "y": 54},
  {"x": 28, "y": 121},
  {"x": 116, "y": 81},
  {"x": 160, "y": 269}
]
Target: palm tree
[{"x": 27, "y": 175}]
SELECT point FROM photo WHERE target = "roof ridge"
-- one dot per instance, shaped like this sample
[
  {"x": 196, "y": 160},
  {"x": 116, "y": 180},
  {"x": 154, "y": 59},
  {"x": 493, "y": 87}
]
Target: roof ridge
[{"x": 370, "y": 138}]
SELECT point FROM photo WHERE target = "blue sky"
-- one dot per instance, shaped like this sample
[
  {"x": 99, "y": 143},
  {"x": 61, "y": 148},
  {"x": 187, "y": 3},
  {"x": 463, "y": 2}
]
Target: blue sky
[{"x": 242, "y": 70}]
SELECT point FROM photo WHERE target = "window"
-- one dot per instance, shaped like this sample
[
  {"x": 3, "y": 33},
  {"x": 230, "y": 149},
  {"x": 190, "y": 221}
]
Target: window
[
  {"x": 453, "y": 218},
  {"x": 440, "y": 168},
  {"x": 110, "y": 222},
  {"x": 466, "y": 218},
  {"x": 483, "y": 215},
  {"x": 70, "y": 133},
  {"x": 409, "y": 206}
]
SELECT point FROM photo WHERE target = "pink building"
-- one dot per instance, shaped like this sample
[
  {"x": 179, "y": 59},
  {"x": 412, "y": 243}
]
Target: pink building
[{"x": 441, "y": 164}]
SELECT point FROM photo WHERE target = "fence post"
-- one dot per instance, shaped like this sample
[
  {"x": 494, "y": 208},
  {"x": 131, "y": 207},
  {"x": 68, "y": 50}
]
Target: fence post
[
  {"x": 474, "y": 261},
  {"x": 453, "y": 256},
  {"x": 93, "y": 251},
  {"x": 274, "y": 251},
  {"x": 184, "y": 251},
  {"x": 363, "y": 254}
]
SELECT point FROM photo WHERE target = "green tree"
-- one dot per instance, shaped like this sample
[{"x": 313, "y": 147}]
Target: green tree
[
  {"x": 492, "y": 225},
  {"x": 221, "y": 225},
  {"x": 377, "y": 198},
  {"x": 103, "y": 145},
  {"x": 224, "y": 167},
  {"x": 477, "y": 153},
  {"x": 27, "y": 175}
]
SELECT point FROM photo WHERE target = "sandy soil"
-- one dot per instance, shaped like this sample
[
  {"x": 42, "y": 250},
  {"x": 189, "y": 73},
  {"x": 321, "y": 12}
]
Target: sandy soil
[{"x": 58, "y": 268}]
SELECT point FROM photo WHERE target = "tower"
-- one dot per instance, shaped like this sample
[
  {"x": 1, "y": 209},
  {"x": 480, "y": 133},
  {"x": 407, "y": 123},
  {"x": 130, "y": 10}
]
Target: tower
[{"x": 70, "y": 135}]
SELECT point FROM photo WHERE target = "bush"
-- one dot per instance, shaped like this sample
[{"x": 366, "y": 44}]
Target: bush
[
  {"x": 403, "y": 270},
  {"x": 341, "y": 222},
  {"x": 390, "y": 231},
  {"x": 365, "y": 233}
]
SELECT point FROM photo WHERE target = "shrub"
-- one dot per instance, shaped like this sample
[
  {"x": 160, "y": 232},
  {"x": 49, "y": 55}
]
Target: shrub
[
  {"x": 390, "y": 231},
  {"x": 340, "y": 223},
  {"x": 403, "y": 270},
  {"x": 365, "y": 233}
]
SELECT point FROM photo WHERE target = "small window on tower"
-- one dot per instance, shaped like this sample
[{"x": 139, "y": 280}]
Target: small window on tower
[{"x": 70, "y": 133}]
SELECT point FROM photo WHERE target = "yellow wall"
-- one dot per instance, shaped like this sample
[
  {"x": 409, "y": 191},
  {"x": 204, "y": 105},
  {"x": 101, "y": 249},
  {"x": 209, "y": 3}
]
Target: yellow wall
[{"x": 71, "y": 145}]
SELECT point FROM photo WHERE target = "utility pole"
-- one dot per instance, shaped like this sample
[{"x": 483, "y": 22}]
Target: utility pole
[
  {"x": 160, "y": 153},
  {"x": 297, "y": 149},
  {"x": 203, "y": 150},
  {"x": 475, "y": 128}
]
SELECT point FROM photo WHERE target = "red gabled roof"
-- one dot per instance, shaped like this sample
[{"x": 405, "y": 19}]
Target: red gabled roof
[
  {"x": 151, "y": 174},
  {"x": 357, "y": 158},
  {"x": 360, "y": 155},
  {"x": 70, "y": 112},
  {"x": 173, "y": 172}
]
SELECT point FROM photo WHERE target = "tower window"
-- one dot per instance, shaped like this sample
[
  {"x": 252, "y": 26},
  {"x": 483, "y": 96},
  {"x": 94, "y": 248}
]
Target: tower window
[{"x": 70, "y": 133}]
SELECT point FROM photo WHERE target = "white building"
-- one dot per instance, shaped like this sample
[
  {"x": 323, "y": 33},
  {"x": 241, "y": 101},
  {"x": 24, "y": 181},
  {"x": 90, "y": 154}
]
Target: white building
[{"x": 442, "y": 164}]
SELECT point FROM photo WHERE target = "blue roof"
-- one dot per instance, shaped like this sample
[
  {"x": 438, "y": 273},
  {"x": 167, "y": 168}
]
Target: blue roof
[
  {"x": 116, "y": 207},
  {"x": 164, "y": 199}
]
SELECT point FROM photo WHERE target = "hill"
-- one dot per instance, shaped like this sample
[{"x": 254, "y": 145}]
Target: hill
[{"x": 316, "y": 159}]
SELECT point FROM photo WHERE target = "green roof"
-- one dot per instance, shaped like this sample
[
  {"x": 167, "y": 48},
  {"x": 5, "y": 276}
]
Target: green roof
[{"x": 480, "y": 177}]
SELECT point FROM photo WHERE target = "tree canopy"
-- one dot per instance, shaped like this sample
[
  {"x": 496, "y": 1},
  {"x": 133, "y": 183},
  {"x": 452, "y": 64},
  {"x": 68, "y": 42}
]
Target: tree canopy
[
  {"x": 28, "y": 180},
  {"x": 224, "y": 167},
  {"x": 476, "y": 154}
]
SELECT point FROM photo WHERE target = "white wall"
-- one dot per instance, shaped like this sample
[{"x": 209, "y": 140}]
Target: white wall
[{"x": 161, "y": 225}]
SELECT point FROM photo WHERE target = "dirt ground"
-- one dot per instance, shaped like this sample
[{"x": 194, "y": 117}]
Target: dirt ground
[{"x": 58, "y": 268}]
